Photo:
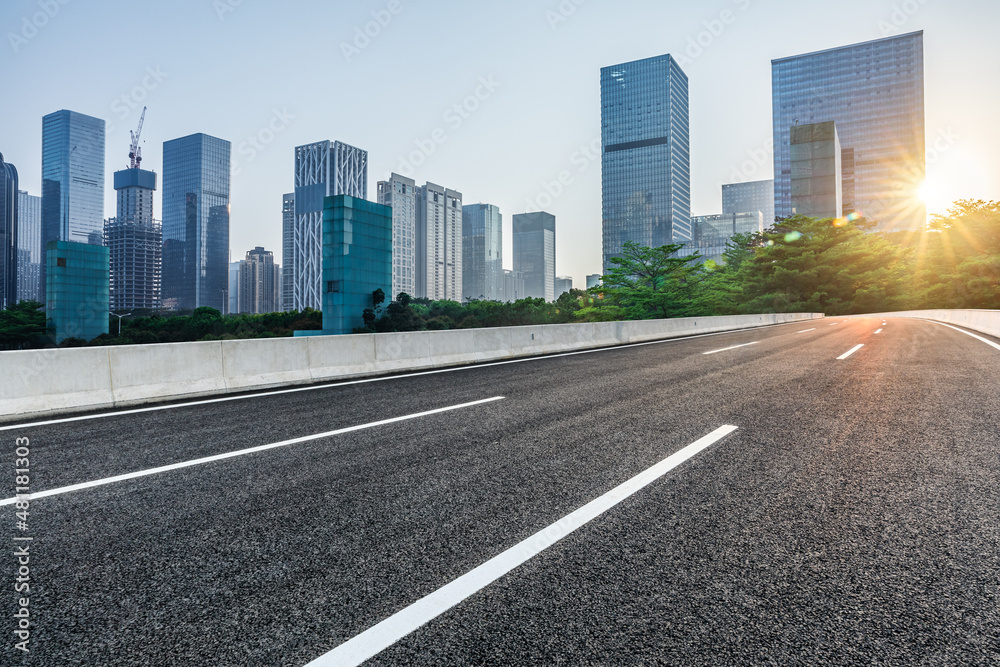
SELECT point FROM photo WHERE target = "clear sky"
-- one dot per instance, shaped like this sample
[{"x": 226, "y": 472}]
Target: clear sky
[{"x": 286, "y": 73}]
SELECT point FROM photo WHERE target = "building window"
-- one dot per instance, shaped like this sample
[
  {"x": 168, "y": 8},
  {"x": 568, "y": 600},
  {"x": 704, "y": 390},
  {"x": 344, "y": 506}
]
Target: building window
[{"x": 61, "y": 261}]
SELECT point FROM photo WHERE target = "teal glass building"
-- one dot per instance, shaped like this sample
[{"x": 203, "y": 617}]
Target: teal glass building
[
  {"x": 646, "y": 161},
  {"x": 357, "y": 260},
  {"x": 77, "y": 291}
]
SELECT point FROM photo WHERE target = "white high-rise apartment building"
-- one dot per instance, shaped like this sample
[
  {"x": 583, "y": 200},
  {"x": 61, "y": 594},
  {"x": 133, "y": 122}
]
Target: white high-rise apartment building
[
  {"x": 400, "y": 193},
  {"x": 438, "y": 243},
  {"x": 322, "y": 169}
]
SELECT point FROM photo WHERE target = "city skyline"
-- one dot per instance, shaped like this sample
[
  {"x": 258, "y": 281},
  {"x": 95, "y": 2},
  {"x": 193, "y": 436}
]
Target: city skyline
[{"x": 553, "y": 138}]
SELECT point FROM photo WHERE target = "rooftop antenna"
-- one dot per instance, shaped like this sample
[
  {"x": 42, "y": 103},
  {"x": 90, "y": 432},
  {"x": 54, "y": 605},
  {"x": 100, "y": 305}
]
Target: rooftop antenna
[{"x": 134, "y": 152}]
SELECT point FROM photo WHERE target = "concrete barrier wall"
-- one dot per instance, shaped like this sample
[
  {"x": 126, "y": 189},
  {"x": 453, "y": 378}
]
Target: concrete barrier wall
[
  {"x": 38, "y": 382},
  {"x": 984, "y": 321}
]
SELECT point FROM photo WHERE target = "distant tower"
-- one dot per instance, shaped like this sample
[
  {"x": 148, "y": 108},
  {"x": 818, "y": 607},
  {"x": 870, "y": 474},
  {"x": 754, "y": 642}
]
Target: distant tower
[
  {"x": 196, "y": 172},
  {"x": 399, "y": 193},
  {"x": 646, "y": 161},
  {"x": 535, "y": 253},
  {"x": 256, "y": 282},
  {"x": 482, "y": 249},
  {"x": 134, "y": 238},
  {"x": 8, "y": 234},
  {"x": 287, "y": 285},
  {"x": 29, "y": 247},
  {"x": 72, "y": 180},
  {"x": 439, "y": 243},
  {"x": 323, "y": 169}
]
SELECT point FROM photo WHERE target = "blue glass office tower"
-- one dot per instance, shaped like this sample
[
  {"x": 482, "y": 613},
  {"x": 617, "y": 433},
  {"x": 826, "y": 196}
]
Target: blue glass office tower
[
  {"x": 72, "y": 180},
  {"x": 482, "y": 250},
  {"x": 646, "y": 162},
  {"x": 195, "y": 222},
  {"x": 8, "y": 234},
  {"x": 357, "y": 260},
  {"x": 874, "y": 92},
  {"x": 535, "y": 254}
]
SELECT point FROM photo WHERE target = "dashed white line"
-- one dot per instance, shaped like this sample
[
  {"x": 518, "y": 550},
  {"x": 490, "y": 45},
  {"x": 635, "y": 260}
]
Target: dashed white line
[
  {"x": 383, "y": 635},
  {"x": 806, "y": 330},
  {"x": 726, "y": 349},
  {"x": 879, "y": 331},
  {"x": 988, "y": 342},
  {"x": 241, "y": 452},
  {"x": 850, "y": 352}
]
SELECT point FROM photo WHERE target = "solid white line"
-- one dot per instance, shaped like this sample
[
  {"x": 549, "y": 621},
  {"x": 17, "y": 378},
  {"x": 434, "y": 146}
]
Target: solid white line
[
  {"x": 850, "y": 352},
  {"x": 332, "y": 385},
  {"x": 988, "y": 342},
  {"x": 242, "y": 452},
  {"x": 879, "y": 331},
  {"x": 806, "y": 331},
  {"x": 379, "y": 637},
  {"x": 726, "y": 349}
]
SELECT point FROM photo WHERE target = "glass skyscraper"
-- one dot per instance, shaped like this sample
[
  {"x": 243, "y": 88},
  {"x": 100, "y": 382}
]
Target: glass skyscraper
[
  {"x": 748, "y": 197},
  {"x": 72, "y": 180},
  {"x": 535, "y": 254},
  {"x": 482, "y": 252},
  {"x": 195, "y": 222},
  {"x": 646, "y": 162},
  {"x": 29, "y": 247},
  {"x": 287, "y": 250},
  {"x": 8, "y": 234},
  {"x": 874, "y": 92}
]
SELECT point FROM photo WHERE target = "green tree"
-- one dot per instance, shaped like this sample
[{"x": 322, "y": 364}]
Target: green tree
[
  {"x": 22, "y": 326},
  {"x": 647, "y": 283}
]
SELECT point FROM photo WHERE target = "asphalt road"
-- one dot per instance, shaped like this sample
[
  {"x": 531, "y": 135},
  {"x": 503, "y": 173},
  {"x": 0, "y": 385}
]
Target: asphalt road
[{"x": 852, "y": 517}]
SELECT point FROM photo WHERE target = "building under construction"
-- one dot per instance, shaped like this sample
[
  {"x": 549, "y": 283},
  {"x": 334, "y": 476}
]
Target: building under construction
[{"x": 134, "y": 238}]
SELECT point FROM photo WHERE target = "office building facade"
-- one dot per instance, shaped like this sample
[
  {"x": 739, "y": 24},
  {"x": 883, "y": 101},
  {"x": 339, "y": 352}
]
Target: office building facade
[
  {"x": 77, "y": 297},
  {"x": 438, "y": 243},
  {"x": 400, "y": 194},
  {"x": 482, "y": 252},
  {"x": 258, "y": 290},
  {"x": 563, "y": 285},
  {"x": 646, "y": 163},
  {"x": 287, "y": 250},
  {"x": 513, "y": 286},
  {"x": 748, "y": 197},
  {"x": 195, "y": 256},
  {"x": 874, "y": 92},
  {"x": 816, "y": 170},
  {"x": 135, "y": 242},
  {"x": 322, "y": 169},
  {"x": 72, "y": 180},
  {"x": 8, "y": 233},
  {"x": 535, "y": 253},
  {"x": 713, "y": 232},
  {"x": 357, "y": 260},
  {"x": 593, "y": 280},
  {"x": 29, "y": 247}
]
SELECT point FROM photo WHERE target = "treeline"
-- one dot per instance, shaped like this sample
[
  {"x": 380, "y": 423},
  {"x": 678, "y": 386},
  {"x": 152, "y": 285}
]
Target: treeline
[
  {"x": 23, "y": 327},
  {"x": 837, "y": 267}
]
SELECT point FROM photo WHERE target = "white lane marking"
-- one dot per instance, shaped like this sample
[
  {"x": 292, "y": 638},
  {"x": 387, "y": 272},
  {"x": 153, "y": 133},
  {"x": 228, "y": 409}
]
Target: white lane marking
[
  {"x": 242, "y": 452},
  {"x": 850, "y": 352},
  {"x": 806, "y": 331},
  {"x": 277, "y": 392},
  {"x": 988, "y": 342},
  {"x": 379, "y": 637},
  {"x": 726, "y": 349},
  {"x": 835, "y": 324},
  {"x": 878, "y": 331}
]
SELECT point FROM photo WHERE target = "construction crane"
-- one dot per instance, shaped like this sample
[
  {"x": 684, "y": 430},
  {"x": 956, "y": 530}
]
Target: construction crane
[{"x": 135, "y": 153}]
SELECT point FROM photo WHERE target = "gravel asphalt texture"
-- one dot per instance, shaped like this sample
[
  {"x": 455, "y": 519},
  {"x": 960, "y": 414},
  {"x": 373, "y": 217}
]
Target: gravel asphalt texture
[{"x": 854, "y": 517}]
